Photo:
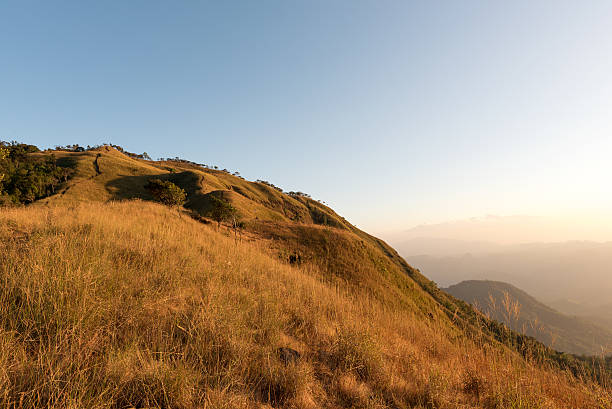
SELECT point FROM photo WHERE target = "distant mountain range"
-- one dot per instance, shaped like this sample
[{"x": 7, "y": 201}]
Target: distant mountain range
[
  {"x": 601, "y": 314},
  {"x": 522, "y": 312},
  {"x": 496, "y": 231},
  {"x": 444, "y": 246},
  {"x": 575, "y": 277}
]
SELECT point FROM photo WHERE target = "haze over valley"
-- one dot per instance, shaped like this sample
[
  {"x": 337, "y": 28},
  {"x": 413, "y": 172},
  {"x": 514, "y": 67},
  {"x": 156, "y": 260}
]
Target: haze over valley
[{"x": 574, "y": 277}]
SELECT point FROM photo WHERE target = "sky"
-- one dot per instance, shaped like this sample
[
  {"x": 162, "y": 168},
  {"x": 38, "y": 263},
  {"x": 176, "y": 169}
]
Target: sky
[{"x": 396, "y": 113}]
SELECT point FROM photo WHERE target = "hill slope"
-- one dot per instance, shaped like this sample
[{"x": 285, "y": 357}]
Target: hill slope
[
  {"x": 517, "y": 309},
  {"x": 105, "y": 173},
  {"x": 124, "y": 303}
]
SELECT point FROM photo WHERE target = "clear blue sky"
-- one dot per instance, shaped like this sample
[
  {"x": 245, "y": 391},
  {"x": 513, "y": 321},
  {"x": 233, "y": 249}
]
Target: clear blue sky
[{"x": 394, "y": 112}]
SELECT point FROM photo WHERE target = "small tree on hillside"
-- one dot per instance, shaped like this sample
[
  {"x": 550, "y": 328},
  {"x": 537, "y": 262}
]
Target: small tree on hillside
[
  {"x": 4, "y": 152},
  {"x": 222, "y": 211},
  {"x": 166, "y": 192}
]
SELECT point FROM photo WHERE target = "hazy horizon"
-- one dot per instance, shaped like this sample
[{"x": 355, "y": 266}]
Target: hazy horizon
[
  {"x": 396, "y": 116},
  {"x": 482, "y": 234}
]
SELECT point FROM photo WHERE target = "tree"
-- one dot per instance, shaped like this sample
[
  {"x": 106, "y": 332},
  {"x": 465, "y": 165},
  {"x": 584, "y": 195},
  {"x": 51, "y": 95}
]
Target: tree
[
  {"x": 166, "y": 192},
  {"x": 25, "y": 178},
  {"x": 4, "y": 152},
  {"x": 222, "y": 211}
]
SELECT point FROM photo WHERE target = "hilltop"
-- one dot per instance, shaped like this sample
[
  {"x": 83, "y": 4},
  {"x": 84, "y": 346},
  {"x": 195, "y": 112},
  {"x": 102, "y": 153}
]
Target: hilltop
[
  {"x": 106, "y": 173},
  {"x": 522, "y": 312},
  {"x": 114, "y": 301}
]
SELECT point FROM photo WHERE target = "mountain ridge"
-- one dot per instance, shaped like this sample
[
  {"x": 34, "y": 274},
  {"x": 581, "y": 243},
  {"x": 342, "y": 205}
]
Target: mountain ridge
[
  {"x": 368, "y": 330},
  {"x": 569, "y": 334}
]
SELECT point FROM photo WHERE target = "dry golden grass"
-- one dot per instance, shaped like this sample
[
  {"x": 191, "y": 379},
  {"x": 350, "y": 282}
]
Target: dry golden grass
[
  {"x": 130, "y": 304},
  {"x": 104, "y": 174}
]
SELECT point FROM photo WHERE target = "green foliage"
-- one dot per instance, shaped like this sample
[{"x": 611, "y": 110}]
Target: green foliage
[
  {"x": 4, "y": 152},
  {"x": 25, "y": 178},
  {"x": 222, "y": 211},
  {"x": 166, "y": 192}
]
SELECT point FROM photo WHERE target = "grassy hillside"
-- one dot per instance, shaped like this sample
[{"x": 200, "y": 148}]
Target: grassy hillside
[
  {"x": 104, "y": 174},
  {"x": 135, "y": 305},
  {"x": 517, "y": 309},
  {"x": 125, "y": 303}
]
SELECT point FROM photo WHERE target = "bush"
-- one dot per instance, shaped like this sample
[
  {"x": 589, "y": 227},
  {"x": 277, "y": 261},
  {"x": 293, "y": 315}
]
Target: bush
[
  {"x": 222, "y": 211},
  {"x": 166, "y": 192}
]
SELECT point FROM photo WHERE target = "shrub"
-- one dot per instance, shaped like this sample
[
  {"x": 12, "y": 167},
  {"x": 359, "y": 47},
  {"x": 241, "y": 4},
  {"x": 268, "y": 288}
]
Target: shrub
[
  {"x": 166, "y": 192},
  {"x": 222, "y": 211}
]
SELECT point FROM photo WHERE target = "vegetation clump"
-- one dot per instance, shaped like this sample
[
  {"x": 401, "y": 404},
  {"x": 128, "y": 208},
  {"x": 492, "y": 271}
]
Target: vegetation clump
[
  {"x": 24, "y": 177},
  {"x": 223, "y": 211},
  {"x": 166, "y": 192},
  {"x": 273, "y": 186}
]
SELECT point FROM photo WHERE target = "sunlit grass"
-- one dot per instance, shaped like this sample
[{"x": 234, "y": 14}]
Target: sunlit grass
[{"x": 134, "y": 305}]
